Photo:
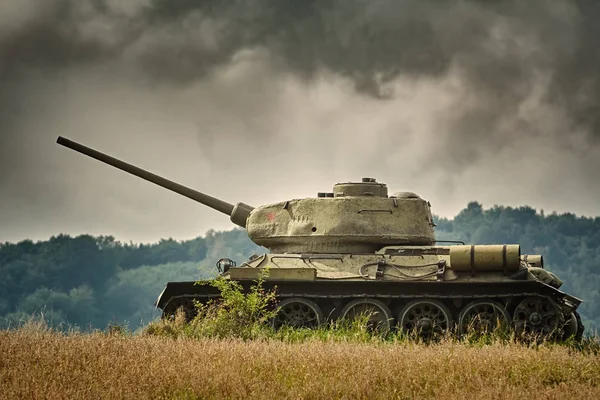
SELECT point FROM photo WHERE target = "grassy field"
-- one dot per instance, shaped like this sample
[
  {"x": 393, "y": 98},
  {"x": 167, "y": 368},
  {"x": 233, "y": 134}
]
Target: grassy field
[{"x": 41, "y": 364}]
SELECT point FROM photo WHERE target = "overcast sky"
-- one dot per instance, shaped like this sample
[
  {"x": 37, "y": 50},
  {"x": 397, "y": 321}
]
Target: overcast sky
[{"x": 265, "y": 100}]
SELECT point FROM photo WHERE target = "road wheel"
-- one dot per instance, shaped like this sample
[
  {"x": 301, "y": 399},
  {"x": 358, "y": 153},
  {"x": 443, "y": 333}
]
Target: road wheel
[
  {"x": 483, "y": 316},
  {"x": 537, "y": 317},
  {"x": 379, "y": 315},
  {"x": 298, "y": 312},
  {"x": 425, "y": 318},
  {"x": 184, "y": 303}
]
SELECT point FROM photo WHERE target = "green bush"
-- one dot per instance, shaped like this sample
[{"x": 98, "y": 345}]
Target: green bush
[{"x": 234, "y": 315}]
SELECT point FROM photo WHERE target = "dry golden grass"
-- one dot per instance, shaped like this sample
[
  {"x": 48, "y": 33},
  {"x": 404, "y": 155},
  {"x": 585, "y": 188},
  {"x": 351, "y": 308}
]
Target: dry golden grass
[{"x": 41, "y": 364}]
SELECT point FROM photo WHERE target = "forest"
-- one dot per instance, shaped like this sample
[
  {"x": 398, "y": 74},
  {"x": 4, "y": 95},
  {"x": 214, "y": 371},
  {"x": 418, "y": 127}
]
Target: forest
[{"x": 92, "y": 282}]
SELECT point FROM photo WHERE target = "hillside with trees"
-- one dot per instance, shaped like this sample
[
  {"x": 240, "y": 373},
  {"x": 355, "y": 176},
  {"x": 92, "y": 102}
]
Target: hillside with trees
[{"x": 95, "y": 281}]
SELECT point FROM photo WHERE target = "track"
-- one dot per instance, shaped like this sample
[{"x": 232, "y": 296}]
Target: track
[{"x": 528, "y": 306}]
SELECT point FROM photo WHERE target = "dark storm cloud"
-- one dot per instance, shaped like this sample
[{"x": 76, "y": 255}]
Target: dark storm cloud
[
  {"x": 511, "y": 74},
  {"x": 499, "y": 47}
]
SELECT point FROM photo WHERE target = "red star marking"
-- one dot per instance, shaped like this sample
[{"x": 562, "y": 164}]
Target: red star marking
[{"x": 271, "y": 216}]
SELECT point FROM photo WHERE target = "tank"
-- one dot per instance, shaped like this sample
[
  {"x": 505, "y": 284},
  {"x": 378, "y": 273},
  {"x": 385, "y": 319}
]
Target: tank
[{"x": 358, "y": 249}]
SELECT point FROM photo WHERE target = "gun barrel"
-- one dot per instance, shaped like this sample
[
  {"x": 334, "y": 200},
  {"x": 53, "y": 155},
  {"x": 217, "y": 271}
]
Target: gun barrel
[{"x": 219, "y": 205}]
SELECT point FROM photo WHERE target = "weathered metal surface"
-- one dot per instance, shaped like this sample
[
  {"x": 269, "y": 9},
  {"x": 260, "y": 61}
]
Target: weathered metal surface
[
  {"x": 474, "y": 258},
  {"x": 284, "y": 274}
]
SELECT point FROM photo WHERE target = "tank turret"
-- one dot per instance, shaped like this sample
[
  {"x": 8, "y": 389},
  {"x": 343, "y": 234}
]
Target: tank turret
[{"x": 356, "y": 217}]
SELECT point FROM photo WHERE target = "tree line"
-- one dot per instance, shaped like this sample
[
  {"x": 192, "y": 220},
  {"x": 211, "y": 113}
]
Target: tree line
[{"x": 91, "y": 282}]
